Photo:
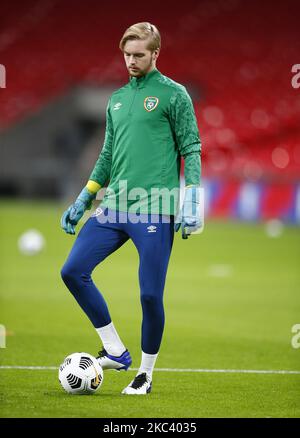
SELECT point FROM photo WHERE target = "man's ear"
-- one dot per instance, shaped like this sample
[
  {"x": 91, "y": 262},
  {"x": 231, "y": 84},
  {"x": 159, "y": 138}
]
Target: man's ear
[{"x": 156, "y": 53}]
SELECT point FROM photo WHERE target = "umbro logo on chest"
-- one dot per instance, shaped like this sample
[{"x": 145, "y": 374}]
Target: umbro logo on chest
[{"x": 117, "y": 106}]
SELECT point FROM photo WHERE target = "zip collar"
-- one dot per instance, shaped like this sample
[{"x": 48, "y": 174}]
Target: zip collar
[{"x": 142, "y": 81}]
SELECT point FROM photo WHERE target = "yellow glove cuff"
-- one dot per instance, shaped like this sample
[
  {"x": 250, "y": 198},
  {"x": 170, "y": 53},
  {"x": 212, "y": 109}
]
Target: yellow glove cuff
[{"x": 93, "y": 186}]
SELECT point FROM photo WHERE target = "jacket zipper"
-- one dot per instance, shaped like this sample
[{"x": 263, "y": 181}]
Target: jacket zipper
[{"x": 130, "y": 112}]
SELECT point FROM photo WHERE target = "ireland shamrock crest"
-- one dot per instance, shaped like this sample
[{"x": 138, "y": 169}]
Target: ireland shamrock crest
[{"x": 150, "y": 103}]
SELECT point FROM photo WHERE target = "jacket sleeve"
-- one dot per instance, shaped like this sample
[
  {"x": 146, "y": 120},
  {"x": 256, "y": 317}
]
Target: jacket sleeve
[
  {"x": 101, "y": 171},
  {"x": 192, "y": 169},
  {"x": 185, "y": 130}
]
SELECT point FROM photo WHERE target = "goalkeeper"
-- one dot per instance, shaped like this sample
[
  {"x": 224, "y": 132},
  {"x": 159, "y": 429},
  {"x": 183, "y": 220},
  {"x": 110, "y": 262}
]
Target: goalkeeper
[{"x": 150, "y": 125}]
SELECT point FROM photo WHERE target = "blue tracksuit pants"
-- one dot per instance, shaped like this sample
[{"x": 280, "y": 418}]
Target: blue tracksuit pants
[{"x": 105, "y": 232}]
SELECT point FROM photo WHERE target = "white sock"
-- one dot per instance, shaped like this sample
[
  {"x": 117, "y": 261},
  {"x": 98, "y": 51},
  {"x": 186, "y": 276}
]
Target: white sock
[
  {"x": 111, "y": 340},
  {"x": 147, "y": 364}
]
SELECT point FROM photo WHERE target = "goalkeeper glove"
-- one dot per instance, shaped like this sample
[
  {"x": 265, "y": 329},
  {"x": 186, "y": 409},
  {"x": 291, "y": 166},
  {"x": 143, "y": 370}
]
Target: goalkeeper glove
[
  {"x": 74, "y": 213},
  {"x": 189, "y": 217}
]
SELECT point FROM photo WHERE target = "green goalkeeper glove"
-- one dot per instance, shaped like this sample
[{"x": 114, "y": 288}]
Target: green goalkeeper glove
[
  {"x": 189, "y": 217},
  {"x": 74, "y": 213}
]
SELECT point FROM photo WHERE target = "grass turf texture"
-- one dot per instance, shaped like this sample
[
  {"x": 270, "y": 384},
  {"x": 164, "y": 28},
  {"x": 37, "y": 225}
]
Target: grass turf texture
[{"x": 242, "y": 320}]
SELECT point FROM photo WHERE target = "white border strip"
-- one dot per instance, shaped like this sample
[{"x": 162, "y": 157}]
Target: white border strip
[{"x": 171, "y": 370}]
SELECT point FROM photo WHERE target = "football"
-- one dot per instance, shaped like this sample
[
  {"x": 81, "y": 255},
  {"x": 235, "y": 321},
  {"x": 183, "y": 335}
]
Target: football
[
  {"x": 80, "y": 373},
  {"x": 31, "y": 242}
]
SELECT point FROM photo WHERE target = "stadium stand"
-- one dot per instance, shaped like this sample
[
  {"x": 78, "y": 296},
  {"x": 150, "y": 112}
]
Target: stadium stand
[{"x": 235, "y": 58}]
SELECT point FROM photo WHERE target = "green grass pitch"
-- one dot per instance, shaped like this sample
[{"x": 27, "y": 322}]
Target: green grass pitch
[{"x": 231, "y": 299}]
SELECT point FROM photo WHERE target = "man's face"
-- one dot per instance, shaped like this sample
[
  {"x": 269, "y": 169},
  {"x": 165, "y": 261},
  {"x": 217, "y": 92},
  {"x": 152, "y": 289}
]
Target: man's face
[{"x": 139, "y": 60}]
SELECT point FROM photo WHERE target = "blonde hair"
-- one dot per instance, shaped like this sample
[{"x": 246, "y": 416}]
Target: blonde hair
[{"x": 142, "y": 31}]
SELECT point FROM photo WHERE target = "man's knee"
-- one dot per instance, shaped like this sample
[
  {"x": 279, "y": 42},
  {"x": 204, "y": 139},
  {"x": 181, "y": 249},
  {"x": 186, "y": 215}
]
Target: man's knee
[
  {"x": 151, "y": 300},
  {"x": 70, "y": 274}
]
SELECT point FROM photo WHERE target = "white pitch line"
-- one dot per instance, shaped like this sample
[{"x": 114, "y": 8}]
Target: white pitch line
[
  {"x": 171, "y": 370},
  {"x": 24, "y": 367}
]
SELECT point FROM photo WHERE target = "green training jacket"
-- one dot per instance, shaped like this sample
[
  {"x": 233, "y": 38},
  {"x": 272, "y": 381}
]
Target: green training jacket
[{"x": 150, "y": 124}]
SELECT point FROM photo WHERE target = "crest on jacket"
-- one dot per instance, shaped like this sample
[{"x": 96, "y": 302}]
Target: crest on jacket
[{"x": 150, "y": 103}]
